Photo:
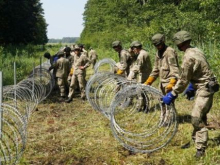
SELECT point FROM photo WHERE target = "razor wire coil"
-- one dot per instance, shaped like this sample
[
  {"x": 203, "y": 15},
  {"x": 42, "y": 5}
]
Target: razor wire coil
[
  {"x": 139, "y": 121},
  {"x": 18, "y": 103}
]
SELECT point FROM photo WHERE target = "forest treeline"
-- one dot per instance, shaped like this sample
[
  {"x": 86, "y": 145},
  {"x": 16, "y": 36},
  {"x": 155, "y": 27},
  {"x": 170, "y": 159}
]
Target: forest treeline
[
  {"x": 22, "y": 22},
  {"x": 128, "y": 20},
  {"x": 64, "y": 40}
]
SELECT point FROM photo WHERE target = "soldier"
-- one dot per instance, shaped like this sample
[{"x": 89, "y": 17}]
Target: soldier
[
  {"x": 83, "y": 50},
  {"x": 52, "y": 59},
  {"x": 93, "y": 56},
  {"x": 122, "y": 68},
  {"x": 70, "y": 57},
  {"x": 166, "y": 66},
  {"x": 81, "y": 62},
  {"x": 196, "y": 70},
  {"x": 62, "y": 67},
  {"x": 142, "y": 65}
]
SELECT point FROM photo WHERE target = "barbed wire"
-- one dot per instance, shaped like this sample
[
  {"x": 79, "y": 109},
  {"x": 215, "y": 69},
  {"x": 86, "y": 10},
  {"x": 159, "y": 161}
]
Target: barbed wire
[
  {"x": 139, "y": 120},
  {"x": 18, "y": 103}
]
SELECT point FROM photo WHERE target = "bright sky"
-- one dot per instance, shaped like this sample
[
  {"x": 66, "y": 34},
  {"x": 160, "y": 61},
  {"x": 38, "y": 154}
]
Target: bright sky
[{"x": 64, "y": 17}]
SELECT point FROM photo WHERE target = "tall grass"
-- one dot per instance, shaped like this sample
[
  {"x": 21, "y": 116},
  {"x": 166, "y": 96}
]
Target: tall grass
[{"x": 25, "y": 57}]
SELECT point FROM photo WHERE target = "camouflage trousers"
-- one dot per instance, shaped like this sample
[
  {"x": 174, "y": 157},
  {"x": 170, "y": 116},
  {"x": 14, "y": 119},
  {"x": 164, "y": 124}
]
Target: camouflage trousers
[
  {"x": 202, "y": 106},
  {"x": 93, "y": 62},
  {"x": 62, "y": 83},
  {"x": 80, "y": 79}
]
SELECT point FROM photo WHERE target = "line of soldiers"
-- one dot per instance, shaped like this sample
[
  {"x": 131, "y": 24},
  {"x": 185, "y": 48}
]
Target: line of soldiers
[
  {"x": 69, "y": 69},
  {"x": 134, "y": 64}
]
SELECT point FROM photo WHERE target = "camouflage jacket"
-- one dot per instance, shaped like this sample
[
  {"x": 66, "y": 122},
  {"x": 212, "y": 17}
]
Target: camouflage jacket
[
  {"x": 194, "y": 69},
  {"x": 80, "y": 61},
  {"x": 62, "y": 67},
  {"x": 92, "y": 55},
  {"x": 166, "y": 66},
  {"x": 124, "y": 61},
  {"x": 141, "y": 66}
]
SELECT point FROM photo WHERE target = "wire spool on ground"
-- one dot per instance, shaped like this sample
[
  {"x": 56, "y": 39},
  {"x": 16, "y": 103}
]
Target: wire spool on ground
[
  {"x": 101, "y": 90},
  {"x": 19, "y": 101},
  {"x": 106, "y": 64},
  {"x": 142, "y": 131}
]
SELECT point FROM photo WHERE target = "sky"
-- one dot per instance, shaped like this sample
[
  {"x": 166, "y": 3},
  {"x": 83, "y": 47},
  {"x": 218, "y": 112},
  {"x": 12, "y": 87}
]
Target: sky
[{"x": 64, "y": 17}]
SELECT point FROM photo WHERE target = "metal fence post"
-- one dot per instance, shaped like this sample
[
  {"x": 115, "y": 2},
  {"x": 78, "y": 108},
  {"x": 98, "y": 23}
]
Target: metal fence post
[
  {"x": 1, "y": 110},
  {"x": 15, "y": 83}
]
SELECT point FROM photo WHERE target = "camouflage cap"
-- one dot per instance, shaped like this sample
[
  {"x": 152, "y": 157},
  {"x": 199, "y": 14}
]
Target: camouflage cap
[
  {"x": 135, "y": 44},
  {"x": 77, "y": 47},
  {"x": 158, "y": 39},
  {"x": 181, "y": 37},
  {"x": 116, "y": 43}
]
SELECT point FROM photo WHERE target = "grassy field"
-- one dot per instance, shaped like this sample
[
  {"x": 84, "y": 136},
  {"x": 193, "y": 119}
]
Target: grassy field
[{"x": 75, "y": 134}]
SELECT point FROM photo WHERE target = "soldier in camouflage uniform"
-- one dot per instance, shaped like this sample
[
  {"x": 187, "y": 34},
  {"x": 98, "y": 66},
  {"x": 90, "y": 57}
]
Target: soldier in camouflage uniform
[
  {"x": 142, "y": 66},
  {"x": 93, "y": 56},
  {"x": 196, "y": 70},
  {"x": 122, "y": 67},
  {"x": 166, "y": 67},
  {"x": 70, "y": 57},
  {"x": 62, "y": 71},
  {"x": 81, "y": 62},
  {"x": 140, "y": 70},
  {"x": 83, "y": 50}
]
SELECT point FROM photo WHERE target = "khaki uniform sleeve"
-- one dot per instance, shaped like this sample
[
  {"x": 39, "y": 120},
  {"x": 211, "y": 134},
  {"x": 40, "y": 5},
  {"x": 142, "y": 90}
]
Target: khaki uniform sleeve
[
  {"x": 155, "y": 72},
  {"x": 185, "y": 75},
  {"x": 173, "y": 64},
  {"x": 123, "y": 61}
]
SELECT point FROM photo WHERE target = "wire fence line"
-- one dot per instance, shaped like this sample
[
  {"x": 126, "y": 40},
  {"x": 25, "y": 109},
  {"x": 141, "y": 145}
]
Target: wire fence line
[
  {"x": 139, "y": 120},
  {"x": 17, "y": 104}
]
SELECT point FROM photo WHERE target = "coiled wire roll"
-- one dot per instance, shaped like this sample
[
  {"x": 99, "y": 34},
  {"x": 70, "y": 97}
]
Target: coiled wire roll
[
  {"x": 139, "y": 121},
  {"x": 19, "y": 101},
  {"x": 104, "y": 65}
]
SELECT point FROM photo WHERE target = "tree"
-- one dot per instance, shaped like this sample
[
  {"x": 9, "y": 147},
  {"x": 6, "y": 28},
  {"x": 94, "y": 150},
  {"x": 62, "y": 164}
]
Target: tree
[
  {"x": 22, "y": 22},
  {"x": 127, "y": 20}
]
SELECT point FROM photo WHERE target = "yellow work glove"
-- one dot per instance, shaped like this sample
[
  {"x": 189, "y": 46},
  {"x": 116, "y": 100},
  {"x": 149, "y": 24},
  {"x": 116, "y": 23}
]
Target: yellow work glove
[
  {"x": 120, "y": 72},
  {"x": 149, "y": 81},
  {"x": 170, "y": 85},
  {"x": 71, "y": 71}
]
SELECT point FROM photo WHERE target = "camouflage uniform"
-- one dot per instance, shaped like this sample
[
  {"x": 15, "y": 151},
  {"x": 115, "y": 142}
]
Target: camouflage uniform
[
  {"x": 122, "y": 67},
  {"x": 80, "y": 60},
  {"x": 166, "y": 67},
  {"x": 141, "y": 66},
  {"x": 62, "y": 71},
  {"x": 93, "y": 57},
  {"x": 195, "y": 69}
]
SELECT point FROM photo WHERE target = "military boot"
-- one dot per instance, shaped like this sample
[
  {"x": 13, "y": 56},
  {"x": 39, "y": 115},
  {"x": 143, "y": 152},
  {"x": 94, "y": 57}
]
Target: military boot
[
  {"x": 69, "y": 100},
  {"x": 200, "y": 153}
]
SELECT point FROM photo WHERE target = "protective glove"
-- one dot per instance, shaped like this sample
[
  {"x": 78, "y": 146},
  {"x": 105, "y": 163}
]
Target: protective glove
[
  {"x": 169, "y": 98},
  {"x": 149, "y": 81},
  {"x": 71, "y": 71},
  {"x": 120, "y": 72},
  {"x": 170, "y": 85},
  {"x": 190, "y": 92}
]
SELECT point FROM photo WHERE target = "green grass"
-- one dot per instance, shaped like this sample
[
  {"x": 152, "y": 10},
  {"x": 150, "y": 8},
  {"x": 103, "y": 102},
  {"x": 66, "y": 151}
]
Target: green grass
[{"x": 75, "y": 134}]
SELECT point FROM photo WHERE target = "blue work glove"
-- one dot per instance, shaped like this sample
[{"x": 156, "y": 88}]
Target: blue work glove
[
  {"x": 169, "y": 98},
  {"x": 190, "y": 92}
]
